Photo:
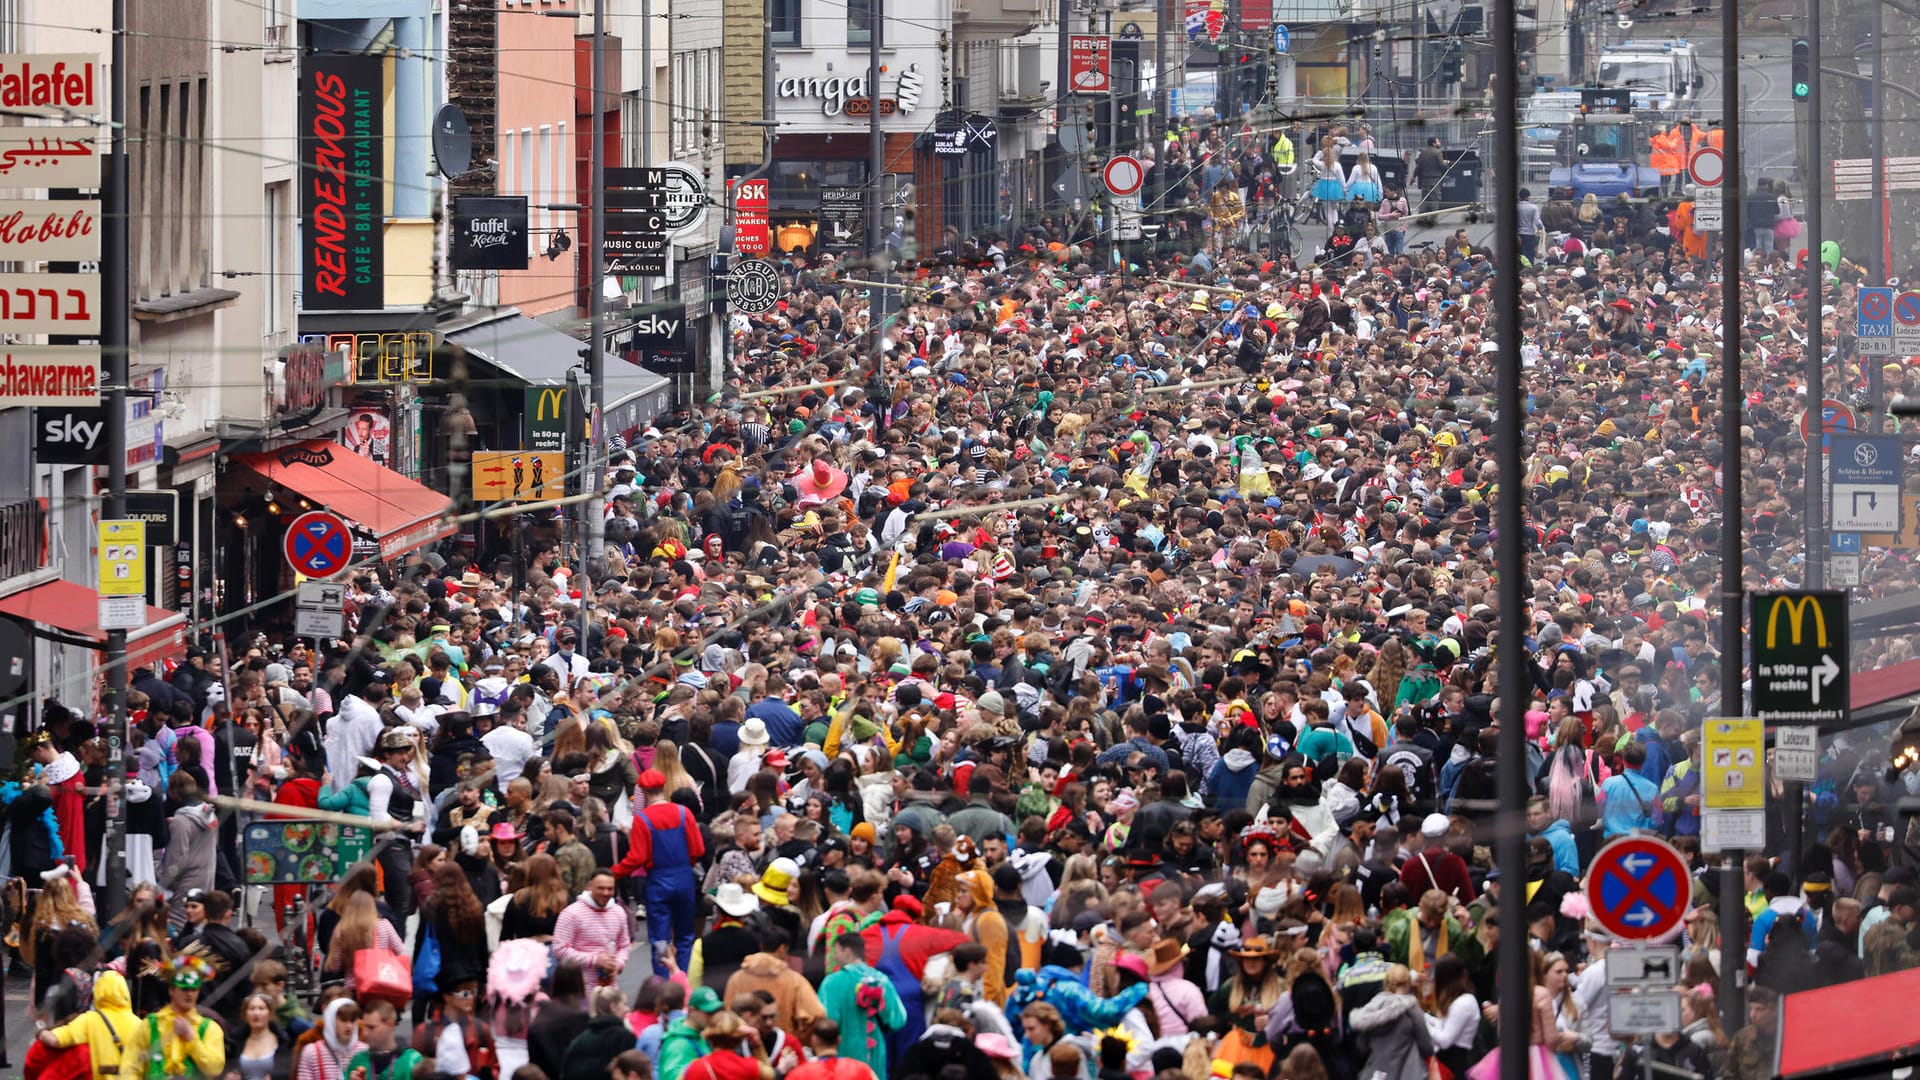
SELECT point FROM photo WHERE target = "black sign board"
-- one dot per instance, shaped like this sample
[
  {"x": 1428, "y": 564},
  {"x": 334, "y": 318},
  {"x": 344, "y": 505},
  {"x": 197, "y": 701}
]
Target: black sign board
[
  {"x": 70, "y": 435},
  {"x": 638, "y": 219},
  {"x": 660, "y": 338},
  {"x": 342, "y": 132},
  {"x": 489, "y": 232},
  {"x": 160, "y": 510},
  {"x": 843, "y": 219},
  {"x": 1800, "y": 657}
]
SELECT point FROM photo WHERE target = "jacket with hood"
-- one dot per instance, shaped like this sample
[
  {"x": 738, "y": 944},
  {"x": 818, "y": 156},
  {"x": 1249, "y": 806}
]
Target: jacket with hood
[
  {"x": 106, "y": 1027},
  {"x": 990, "y": 929},
  {"x": 1566, "y": 856},
  {"x": 191, "y": 843},
  {"x": 792, "y": 994},
  {"x": 1177, "y": 1003},
  {"x": 1230, "y": 779},
  {"x": 1261, "y": 788},
  {"x": 1397, "y": 1037}
]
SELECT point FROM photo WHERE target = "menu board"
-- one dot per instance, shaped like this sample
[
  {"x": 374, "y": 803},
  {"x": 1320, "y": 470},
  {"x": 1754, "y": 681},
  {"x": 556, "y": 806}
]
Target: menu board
[{"x": 302, "y": 852}]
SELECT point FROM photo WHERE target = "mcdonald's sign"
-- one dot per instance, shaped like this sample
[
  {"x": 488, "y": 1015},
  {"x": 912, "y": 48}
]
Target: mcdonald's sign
[
  {"x": 1800, "y": 656},
  {"x": 546, "y": 419}
]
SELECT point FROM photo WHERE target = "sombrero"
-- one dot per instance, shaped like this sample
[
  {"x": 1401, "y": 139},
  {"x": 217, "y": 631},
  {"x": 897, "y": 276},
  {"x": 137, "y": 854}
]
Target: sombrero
[{"x": 821, "y": 483}]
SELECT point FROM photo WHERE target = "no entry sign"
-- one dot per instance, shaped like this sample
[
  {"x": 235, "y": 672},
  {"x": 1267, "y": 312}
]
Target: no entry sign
[
  {"x": 1707, "y": 167},
  {"x": 1639, "y": 887},
  {"x": 1123, "y": 174}
]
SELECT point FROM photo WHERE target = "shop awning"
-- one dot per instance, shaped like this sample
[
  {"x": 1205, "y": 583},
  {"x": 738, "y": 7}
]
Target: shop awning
[
  {"x": 539, "y": 355},
  {"x": 75, "y": 609},
  {"x": 1857, "y": 1028},
  {"x": 401, "y": 514}
]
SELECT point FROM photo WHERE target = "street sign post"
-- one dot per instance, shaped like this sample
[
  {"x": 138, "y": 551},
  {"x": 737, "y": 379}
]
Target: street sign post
[
  {"x": 1843, "y": 571},
  {"x": 1282, "y": 40},
  {"x": 1707, "y": 167},
  {"x": 319, "y": 610},
  {"x": 1836, "y": 418},
  {"x": 123, "y": 575},
  {"x": 1639, "y": 888},
  {"x": 1643, "y": 967},
  {"x": 1866, "y": 483},
  {"x": 1796, "y": 753},
  {"x": 318, "y": 544},
  {"x": 1873, "y": 322},
  {"x": 1906, "y": 323}
]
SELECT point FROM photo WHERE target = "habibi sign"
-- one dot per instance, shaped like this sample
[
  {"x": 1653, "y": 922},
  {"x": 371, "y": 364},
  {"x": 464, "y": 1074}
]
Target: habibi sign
[
  {"x": 342, "y": 128},
  {"x": 489, "y": 232}
]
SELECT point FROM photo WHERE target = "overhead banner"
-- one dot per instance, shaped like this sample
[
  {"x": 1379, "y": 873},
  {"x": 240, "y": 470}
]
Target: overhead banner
[
  {"x": 343, "y": 258},
  {"x": 489, "y": 232}
]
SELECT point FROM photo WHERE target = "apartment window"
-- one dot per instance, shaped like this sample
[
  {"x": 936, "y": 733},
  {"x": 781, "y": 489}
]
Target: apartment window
[
  {"x": 273, "y": 313},
  {"x": 785, "y": 22},
  {"x": 860, "y": 21},
  {"x": 631, "y": 124}
]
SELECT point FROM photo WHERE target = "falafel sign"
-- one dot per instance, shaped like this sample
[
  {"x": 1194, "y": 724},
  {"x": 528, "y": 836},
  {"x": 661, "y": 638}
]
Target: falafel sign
[{"x": 302, "y": 852}]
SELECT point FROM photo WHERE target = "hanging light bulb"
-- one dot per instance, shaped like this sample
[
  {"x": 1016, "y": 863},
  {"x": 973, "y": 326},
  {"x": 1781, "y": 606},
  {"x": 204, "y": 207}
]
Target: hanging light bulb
[
  {"x": 273, "y": 505},
  {"x": 240, "y": 520}
]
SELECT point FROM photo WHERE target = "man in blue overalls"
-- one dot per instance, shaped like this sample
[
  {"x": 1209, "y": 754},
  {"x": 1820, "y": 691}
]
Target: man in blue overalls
[
  {"x": 666, "y": 844},
  {"x": 904, "y": 946}
]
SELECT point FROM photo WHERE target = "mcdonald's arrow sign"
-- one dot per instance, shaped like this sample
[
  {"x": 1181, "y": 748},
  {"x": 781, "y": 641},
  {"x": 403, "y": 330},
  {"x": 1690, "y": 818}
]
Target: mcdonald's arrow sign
[
  {"x": 1800, "y": 657},
  {"x": 546, "y": 418}
]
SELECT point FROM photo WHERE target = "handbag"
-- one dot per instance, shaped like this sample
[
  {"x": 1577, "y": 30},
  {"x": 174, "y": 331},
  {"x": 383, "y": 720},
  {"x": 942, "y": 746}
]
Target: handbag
[
  {"x": 426, "y": 967},
  {"x": 383, "y": 974}
]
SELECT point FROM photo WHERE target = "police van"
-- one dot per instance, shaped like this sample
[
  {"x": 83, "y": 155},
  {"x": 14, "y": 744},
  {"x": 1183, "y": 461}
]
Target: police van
[{"x": 1668, "y": 72}]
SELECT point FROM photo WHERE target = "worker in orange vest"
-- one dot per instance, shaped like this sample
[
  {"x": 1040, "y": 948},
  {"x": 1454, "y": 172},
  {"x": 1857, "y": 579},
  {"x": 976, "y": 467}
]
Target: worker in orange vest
[{"x": 1666, "y": 159}]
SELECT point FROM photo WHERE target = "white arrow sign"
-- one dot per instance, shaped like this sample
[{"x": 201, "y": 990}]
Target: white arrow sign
[
  {"x": 1638, "y": 863},
  {"x": 1639, "y": 916},
  {"x": 1824, "y": 675}
]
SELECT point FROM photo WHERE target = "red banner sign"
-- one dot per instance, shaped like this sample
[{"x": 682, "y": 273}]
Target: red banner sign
[
  {"x": 1089, "y": 63},
  {"x": 752, "y": 232}
]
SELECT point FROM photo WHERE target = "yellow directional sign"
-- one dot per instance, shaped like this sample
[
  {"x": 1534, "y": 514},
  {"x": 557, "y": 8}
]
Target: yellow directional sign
[{"x": 1735, "y": 754}]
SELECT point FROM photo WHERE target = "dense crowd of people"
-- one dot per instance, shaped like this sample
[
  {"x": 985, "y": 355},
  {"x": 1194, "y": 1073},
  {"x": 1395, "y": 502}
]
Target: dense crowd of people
[{"x": 1099, "y": 685}]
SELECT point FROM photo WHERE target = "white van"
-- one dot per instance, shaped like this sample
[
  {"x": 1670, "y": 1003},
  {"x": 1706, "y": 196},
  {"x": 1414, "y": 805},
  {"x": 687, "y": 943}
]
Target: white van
[{"x": 1668, "y": 71}]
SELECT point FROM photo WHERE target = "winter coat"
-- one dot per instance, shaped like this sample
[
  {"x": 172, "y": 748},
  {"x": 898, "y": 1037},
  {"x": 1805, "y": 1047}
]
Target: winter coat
[
  {"x": 594, "y": 1049},
  {"x": 350, "y": 800},
  {"x": 1177, "y": 1003},
  {"x": 192, "y": 838},
  {"x": 1231, "y": 779},
  {"x": 1398, "y": 1042}
]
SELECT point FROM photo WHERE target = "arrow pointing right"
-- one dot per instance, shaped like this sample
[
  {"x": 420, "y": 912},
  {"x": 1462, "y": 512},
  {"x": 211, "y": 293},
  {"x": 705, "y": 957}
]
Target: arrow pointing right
[
  {"x": 1639, "y": 916},
  {"x": 1824, "y": 674}
]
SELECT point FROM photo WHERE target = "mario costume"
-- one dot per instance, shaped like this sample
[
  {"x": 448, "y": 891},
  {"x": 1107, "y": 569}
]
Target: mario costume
[
  {"x": 158, "y": 1051},
  {"x": 666, "y": 844}
]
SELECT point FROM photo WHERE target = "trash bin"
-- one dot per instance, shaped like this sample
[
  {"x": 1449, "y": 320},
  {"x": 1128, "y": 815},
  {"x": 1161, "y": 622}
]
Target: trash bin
[
  {"x": 1393, "y": 170},
  {"x": 1460, "y": 184}
]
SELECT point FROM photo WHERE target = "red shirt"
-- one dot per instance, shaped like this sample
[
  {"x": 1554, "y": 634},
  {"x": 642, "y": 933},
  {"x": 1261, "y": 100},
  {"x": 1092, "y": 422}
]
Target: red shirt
[
  {"x": 725, "y": 1065},
  {"x": 829, "y": 1068}
]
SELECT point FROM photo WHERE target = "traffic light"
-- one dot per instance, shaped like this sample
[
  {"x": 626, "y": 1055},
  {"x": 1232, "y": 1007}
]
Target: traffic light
[
  {"x": 1802, "y": 69},
  {"x": 1450, "y": 67}
]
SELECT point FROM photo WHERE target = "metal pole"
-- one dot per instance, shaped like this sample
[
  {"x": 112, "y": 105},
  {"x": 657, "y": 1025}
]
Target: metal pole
[
  {"x": 1876, "y": 374},
  {"x": 646, "y": 120},
  {"x": 592, "y": 522},
  {"x": 1815, "y": 192},
  {"x": 1733, "y": 909},
  {"x": 1162, "y": 92},
  {"x": 1510, "y": 840},
  {"x": 115, "y": 344},
  {"x": 876, "y": 164}
]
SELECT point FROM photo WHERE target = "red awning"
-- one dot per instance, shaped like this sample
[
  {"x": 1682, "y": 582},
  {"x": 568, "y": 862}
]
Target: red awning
[
  {"x": 1866, "y": 1023},
  {"x": 75, "y": 609},
  {"x": 1869, "y": 688},
  {"x": 402, "y": 514}
]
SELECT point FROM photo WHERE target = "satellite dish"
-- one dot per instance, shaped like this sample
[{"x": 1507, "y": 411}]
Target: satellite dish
[
  {"x": 452, "y": 141},
  {"x": 16, "y": 657}
]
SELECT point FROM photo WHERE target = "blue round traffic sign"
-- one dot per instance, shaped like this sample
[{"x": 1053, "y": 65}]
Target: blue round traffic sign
[
  {"x": 1906, "y": 309},
  {"x": 1873, "y": 305},
  {"x": 1639, "y": 887},
  {"x": 318, "y": 544}
]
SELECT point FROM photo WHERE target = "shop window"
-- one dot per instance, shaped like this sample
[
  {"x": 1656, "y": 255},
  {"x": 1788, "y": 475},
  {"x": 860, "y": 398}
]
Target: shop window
[{"x": 799, "y": 182}]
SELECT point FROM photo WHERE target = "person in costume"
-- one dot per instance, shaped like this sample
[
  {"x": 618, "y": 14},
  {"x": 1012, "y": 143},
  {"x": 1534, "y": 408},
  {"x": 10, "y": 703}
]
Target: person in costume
[
  {"x": 177, "y": 1042},
  {"x": 864, "y": 1003},
  {"x": 60, "y": 772},
  {"x": 103, "y": 1029},
  {"x": 666, "y": 843}
]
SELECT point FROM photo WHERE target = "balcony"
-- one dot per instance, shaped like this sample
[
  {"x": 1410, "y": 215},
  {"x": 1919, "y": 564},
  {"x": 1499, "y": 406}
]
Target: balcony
[{"x": 991, "y": 20}]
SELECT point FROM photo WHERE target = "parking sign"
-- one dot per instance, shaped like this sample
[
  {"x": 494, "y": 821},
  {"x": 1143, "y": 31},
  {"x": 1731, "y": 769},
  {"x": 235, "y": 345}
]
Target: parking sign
[{"x": 1873, "y": 322}]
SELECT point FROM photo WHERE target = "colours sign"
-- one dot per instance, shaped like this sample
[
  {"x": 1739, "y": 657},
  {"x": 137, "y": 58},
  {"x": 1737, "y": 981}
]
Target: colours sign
[{"x": 342, "y": 196}]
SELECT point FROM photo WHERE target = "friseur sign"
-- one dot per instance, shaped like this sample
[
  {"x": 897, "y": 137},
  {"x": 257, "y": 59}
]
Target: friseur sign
[{"x": 1800, "y": 656}]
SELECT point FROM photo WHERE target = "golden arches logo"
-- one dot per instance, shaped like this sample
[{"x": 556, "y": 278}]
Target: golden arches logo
[
  {"x": 554, "y": 396},
  {"x": 1797, "y": 608}
]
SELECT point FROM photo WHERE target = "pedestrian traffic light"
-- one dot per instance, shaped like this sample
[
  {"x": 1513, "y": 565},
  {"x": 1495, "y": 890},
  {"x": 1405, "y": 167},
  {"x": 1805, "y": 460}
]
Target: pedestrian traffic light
[{"x": 1802, "y": 69}]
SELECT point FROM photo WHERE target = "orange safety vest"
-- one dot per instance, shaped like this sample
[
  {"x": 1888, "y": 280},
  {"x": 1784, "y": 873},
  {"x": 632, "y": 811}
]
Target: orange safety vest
[{"x": 1666, "y": 152}]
